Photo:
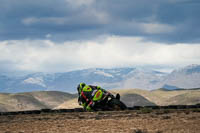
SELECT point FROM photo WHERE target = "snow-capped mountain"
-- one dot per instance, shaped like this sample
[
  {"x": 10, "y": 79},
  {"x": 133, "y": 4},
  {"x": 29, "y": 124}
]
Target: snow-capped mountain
[
  {"x": 141, "y": 78},
  {"x": 67, "y": 81},
  {"x": 187, "y": 77}
]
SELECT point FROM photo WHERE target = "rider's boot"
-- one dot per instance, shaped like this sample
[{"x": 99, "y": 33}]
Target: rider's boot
[{"x": 118, "y": 96}]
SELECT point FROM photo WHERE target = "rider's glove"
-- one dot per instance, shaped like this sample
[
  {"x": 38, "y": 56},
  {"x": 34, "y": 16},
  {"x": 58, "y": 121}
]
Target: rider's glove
[{"x": 88, "y": 108}]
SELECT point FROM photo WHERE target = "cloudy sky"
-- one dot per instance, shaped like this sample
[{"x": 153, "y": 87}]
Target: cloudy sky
[{"x": 63, "y": 35}]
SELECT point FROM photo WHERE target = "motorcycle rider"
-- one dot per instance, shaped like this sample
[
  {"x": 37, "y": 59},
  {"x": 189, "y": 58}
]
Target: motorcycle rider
[{"x": 90, "y": 95}]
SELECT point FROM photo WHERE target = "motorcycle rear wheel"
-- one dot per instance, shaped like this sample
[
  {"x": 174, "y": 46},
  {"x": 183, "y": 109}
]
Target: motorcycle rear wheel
[{"x": 116, "y": 104}]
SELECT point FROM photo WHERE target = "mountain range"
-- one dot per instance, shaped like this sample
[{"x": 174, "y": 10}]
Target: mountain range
[{"x": 182, "y": 78}]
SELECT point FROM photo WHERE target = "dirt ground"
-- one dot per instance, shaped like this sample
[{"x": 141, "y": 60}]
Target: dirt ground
[{"x": 145, "y": 121}]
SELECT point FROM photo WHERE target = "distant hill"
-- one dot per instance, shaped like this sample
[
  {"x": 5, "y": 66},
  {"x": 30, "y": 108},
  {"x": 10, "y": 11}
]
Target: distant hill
[
  {"x": 33, "y": 100},
  {"x": 136, "y": 100},
  {"x": 192, "y": 97},
  {"x": 166, "y": 97},
  {"x": 131, "y": 97},
  {"x": 3, "y": 108},
  {"x": 70, "y": 104}
]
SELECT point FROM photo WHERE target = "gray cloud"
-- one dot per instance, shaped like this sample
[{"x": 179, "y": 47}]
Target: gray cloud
[
  {"x": 49, "y": 56},
  {"x": 169, "y": 21}
]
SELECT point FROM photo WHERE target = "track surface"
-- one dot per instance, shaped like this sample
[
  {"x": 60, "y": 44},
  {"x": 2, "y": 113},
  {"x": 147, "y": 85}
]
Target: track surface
[{"x": 140, "y": 120}]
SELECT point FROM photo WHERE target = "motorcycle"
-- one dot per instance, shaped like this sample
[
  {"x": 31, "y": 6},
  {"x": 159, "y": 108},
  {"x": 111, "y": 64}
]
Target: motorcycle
[{"x": 109, "y": 102}]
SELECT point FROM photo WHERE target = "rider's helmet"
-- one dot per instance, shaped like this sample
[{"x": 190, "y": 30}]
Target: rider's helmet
[{"x": 80, "y": 87}]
